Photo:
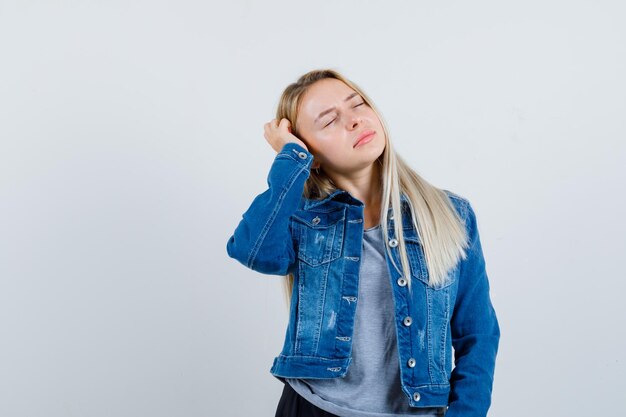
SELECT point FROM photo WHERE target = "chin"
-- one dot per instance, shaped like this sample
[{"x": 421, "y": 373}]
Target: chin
[{"x": 380, "y": 149}]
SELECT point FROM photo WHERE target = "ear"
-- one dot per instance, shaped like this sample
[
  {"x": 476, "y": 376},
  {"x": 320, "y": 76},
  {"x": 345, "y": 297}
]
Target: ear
[{"x": 315, "y": 164}]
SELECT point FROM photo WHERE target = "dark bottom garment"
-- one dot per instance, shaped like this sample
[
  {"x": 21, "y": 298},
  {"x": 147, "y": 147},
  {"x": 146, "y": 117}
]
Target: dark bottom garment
[{"x": 292, "y": 404}]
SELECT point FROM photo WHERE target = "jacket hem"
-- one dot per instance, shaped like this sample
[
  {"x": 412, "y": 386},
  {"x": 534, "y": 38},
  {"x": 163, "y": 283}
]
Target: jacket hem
[
  {"x": 315, "y": 367},
  {"x": 429, "y": 395},
  {"x": 309, "y": 367}
]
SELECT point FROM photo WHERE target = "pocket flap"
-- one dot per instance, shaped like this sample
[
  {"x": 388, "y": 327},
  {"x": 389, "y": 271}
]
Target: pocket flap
[{"x": 319, "y": 220}]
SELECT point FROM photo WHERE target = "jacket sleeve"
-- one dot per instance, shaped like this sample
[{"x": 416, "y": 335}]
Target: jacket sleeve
[
  {"x": 475, "y": 333},
  {"x": 262, "y": 241}
]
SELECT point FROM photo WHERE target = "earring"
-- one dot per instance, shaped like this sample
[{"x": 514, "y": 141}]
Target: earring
[{"x": 317, "y": 170}]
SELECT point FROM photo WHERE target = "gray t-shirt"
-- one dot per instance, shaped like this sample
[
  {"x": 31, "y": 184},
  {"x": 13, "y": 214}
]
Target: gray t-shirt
[{"x": 371, "y": 386}]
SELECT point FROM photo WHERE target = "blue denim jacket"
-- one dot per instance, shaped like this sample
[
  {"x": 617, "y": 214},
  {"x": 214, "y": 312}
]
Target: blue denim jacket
[{"x": 320, "y": 242}]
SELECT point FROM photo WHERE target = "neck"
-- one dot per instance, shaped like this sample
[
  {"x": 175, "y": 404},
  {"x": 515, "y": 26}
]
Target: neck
[{"x": 364, "y": 185}]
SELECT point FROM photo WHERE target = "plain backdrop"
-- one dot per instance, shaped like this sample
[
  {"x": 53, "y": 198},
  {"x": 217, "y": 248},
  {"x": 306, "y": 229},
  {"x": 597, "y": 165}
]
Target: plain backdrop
[{"x": 131, "y": 142}]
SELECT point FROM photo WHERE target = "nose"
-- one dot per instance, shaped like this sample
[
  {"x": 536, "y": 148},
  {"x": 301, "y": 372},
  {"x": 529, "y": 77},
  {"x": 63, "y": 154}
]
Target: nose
[{"x": 354, "y": 121}]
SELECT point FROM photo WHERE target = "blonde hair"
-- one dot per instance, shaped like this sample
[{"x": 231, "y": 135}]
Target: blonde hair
[{"x": 439, "y": 227}]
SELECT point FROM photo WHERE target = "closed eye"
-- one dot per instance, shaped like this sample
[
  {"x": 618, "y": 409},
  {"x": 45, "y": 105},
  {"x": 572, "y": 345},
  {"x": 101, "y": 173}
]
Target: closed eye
[{"x": 331, "y": 122}]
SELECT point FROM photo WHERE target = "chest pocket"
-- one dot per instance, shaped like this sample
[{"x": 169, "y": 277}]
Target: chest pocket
[
  {"x": 417, "y": 259},
  {"x": 320, "y": 236}
]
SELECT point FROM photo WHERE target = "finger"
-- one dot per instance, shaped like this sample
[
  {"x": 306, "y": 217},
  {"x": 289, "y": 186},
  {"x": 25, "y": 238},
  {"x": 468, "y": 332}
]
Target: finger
[{"x": 286, "y": 125}]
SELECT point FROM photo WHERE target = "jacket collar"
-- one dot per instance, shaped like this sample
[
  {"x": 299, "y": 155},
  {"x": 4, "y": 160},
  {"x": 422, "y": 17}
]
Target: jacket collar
[{"x": 342, "y": 195}]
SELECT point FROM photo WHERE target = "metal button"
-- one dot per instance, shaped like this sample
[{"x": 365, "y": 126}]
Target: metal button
[
  {"x": 407, "y": 321},
  {"x": 302, "y": 155},
  {"x": 393, "y": 243},
  {"x": 401, "y": 281},
  {"x": 416, "y": 396},
  {"x": 391, "y": 217},
  {"x": 411, "y": 363},
  {"x": 316, "y": 220}
]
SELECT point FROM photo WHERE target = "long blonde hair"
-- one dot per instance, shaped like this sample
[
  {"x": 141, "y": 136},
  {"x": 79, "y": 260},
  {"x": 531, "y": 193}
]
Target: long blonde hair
[{"x": 439, "y": 228}]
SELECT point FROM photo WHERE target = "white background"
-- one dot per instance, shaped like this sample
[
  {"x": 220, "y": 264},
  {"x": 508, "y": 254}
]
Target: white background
[{"x": 131, "y": 141}]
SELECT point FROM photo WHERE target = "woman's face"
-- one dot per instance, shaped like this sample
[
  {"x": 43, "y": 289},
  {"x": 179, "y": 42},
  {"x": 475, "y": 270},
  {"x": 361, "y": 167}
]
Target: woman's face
[{"x": 331, "y": 118}]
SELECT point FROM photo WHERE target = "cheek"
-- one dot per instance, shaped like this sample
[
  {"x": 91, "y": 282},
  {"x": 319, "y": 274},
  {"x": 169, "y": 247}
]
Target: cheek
[
  {"x": 331, "y": 147},
  {"x": 327, "y": 138},
  {"x": 372, "y": 115}
]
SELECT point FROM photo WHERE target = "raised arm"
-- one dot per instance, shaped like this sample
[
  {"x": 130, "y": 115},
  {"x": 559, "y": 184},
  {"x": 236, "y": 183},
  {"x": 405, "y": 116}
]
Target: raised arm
[{"x": 262, "y": 241}]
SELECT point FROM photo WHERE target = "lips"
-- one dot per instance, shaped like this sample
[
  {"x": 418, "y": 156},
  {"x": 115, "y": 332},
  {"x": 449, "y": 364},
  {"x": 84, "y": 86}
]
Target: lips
[{"x": 364, "y": 135}]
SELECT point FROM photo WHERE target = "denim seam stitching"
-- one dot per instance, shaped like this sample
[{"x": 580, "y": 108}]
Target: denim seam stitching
[
  {"x": 270, "y": 221},
  {"x": 429, "y": 333},
  {"x": 296, "y": 348},
  {"x": 315, "y": 357},
  {"x": 320, "y": 310},
  {"x": 442, "y": 336}
]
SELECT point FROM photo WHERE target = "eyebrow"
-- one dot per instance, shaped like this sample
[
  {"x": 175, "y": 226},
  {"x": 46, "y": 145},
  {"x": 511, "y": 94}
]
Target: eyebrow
[{"x": 325, "y": 112}]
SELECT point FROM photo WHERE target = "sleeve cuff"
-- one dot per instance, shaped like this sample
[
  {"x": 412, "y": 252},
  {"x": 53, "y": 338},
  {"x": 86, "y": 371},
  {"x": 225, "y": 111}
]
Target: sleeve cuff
[{"x": 296, "y": 151}]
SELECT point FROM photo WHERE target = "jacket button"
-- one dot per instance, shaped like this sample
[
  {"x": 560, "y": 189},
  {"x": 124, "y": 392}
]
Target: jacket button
[
  {"x": 411, "y": 363},
  {"x": 393, "y": 243},
  {"x": 416, "y": 396},
  {"x": 401, "y": 281},
  {"x": 302, "y": 155},
  {"x": 407, "y": 321},
  {"x": 316, "y": 220}
]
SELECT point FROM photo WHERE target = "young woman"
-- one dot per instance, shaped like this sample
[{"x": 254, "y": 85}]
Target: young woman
[{"x": 384, "y": 272}]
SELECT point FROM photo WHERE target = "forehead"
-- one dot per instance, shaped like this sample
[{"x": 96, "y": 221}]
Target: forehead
[{"x": 322, "y": 95}]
